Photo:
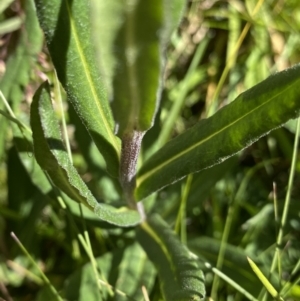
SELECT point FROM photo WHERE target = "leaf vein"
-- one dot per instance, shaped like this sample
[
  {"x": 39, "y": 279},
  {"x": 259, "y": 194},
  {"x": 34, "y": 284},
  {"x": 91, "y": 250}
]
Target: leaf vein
[
  {"x": 89, "y": 79},
  {"x": 142, "y": 178}
]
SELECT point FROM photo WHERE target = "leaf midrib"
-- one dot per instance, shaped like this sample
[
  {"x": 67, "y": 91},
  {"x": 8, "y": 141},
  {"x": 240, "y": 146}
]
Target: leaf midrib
[
  {"x": 130, "y": 45},
  {"x": 89, "y": 79},
  {"x": 142, "y": 178},
  {"x": 147, "y": 228}
]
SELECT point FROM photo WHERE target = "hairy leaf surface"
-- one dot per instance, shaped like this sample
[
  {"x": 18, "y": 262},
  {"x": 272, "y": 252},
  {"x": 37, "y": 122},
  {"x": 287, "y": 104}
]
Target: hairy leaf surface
[
  {"x": 180, "y": 276},
  {"x": 132, "y": 39},
  {"x": 51, "y": 155},
  {"x": 253, "y": 114},
  {"x": 67, "y": 29}
]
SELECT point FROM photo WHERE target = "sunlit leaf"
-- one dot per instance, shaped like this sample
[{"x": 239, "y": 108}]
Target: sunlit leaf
[
  {"x": 67, "y": 29},
  {"x": 132, "y": 38},
  {"x": 51, "y": 155},
  {"x": 253, "y": 114}
]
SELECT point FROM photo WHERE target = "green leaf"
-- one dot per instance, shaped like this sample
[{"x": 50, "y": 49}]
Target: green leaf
[
  {"x": 133, "y": 36},
  {"x": 253, "y": 114},
  {"x": 51, "y": 155},
  {"x": 180, "y": 276},
  {"x": 235, "y": 264},
  {"x": 135, "y": 270},
  {"x": 126, "y": 270},
  {"x": 38, "y": 177},
  {"x": 68, "y": 34}
]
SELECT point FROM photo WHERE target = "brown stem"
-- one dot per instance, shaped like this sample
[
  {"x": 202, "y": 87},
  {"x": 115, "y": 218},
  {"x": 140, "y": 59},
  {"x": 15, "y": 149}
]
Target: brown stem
[{"x": 131, "y": 145}]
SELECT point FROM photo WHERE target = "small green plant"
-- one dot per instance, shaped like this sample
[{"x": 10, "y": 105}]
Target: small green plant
[{"x": 109, "y": 59}]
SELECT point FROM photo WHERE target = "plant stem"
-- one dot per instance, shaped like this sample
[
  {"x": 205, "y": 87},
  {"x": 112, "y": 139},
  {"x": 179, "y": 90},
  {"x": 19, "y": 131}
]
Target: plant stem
[{"x": 131, "y": 145}]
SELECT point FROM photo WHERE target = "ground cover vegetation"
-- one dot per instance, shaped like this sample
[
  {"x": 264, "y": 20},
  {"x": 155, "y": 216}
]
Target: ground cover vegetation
[{"x": 149, "y": 150}]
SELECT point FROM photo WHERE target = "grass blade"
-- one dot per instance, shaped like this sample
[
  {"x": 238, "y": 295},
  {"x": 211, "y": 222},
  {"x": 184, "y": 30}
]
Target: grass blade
[
  {"x": 264, "y": 280},
  {"x": 43, "y": 276}
]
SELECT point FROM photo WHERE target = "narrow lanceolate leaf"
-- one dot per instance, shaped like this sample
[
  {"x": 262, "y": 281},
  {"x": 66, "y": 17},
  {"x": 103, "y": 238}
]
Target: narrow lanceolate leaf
[
  {"x": 253, "y": 114},
  {"x": 51, "y": 155},
  {"x": 131, "y": 38},
  {"x": 180, "y": 276},
  {"x": 67, "y": 29}
]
